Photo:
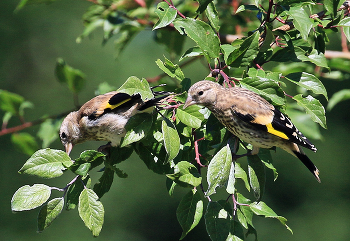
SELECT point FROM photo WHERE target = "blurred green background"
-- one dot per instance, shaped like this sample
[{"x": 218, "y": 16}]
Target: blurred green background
[{"x": 139, "y": 207}]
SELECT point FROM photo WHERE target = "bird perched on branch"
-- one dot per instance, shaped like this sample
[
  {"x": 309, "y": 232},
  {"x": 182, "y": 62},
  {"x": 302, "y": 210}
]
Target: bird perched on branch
[
  {"x": 103, "y": 118},
  {"x": 252, "y": 119}
]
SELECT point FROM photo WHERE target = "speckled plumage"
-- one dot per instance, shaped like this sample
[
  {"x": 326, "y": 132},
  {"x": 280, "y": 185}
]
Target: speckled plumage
[
  {"x": 103, "y": 118},
  {"x": 252, "y": 119}
]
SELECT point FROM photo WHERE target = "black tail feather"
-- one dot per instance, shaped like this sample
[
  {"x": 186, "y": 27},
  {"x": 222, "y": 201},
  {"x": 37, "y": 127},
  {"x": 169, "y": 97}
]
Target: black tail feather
[
  {"x": 308, "y": 163},
  {"x": 152, "y": 102}
]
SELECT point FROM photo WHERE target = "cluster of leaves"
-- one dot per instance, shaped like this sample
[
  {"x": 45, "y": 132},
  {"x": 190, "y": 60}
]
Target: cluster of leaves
[{"x": 180, "y": 143}]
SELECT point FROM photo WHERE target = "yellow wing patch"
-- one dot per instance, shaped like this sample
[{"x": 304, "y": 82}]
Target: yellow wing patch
[
  {"x": 109, "y": 106},
  {"x": 275, "y": 132}
]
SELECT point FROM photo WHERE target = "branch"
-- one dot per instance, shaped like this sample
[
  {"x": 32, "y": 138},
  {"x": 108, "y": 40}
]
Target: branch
[{"x": 25, "y": 125}]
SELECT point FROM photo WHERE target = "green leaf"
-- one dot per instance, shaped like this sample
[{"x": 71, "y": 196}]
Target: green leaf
[
  {"x": 49, "y": 212},
  {"x": 47, "y": 163},
  {"x": 245, "y": 54},
  {"x": 203, "y": 4},
  {"x": 257, "y": 177},
  {"x": 266, "y": 158},
  {"x": 134, "y": 85},
  {"x": 186, "y": 175},
  {"x": 240, "y": 173},
  {"x": 337, "y": 97},
  {"x": 202, "y": 34},
  {"x": 74, "y": 78},
  {"x": 173, "y": 70},
  {"x": 213, "y": 16},
  {"x": 345, "y": 23},
  {"x": 171, "y": 139},
  {"x": 301, "y": 20},
  {"x": 217, "y": 222},
  {"x": 190, "y": 211},
  {"x": 10, "y": 102},
  {"x": 104, "y": 183},
  {"x": 261, "y": 208},
  {"x": 230, "y": 187},
  {"x": 246, "y": 7},
  {"x": 173, "y": 41},
  {"x": 192, "y": 52},
  {"x": 309, "y": 82},
  {"x": 87, "y": 160},
  {"x": 190, "y": 116},
  {"x": 48, "y": 132},
  {"x": 265, "y": 87},
  {"x": 91, "y": 211},
  {"x": 25, "y": 142},
  {"x": 219, "y": 170},
  {"x": 74, "y": 191},
  {"x": 313, "y": 107},
  {"x": 154, "y": 156},
  {"x": 30, "y": 197},
  {"x": 304, "y": 123},
  {"x": 137, "y": 128},
  {"x": 332, "y": 6},
  {"x": 166, "y": 15},
  {"x": 104, "y": 88}
]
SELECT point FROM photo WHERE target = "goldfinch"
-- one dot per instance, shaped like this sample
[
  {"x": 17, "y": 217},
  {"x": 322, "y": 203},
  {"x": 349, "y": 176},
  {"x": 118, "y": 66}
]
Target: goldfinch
[
  {"x": 252, "y": 119},
  {"x": 103, "y": 118}
]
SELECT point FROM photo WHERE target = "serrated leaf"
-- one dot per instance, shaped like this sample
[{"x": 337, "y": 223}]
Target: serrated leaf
[
  {"x": 192, "y": 52},
  {"x": 219, "y": 170},
  {"x": 230, "y": 187},
  {"x": 24, "y": 142},
  {"x": 74, "y": 191},
  {"x": 49, "y": 212},
  {"x": 137, "y": 128},
  {"x": 337, "y": 97},
  {"x": 189, "y": 211},
  {"x": 345, "y": 23},
  {"x": 213, "y": 16},
  {"x": 30, "y": 197},
  {"x": 74, "y": 78},
  {"x": 301, "y": 20},
  {"x": 309, "y": 82},
  {"x": 173, "y": 70},
  {"x": 166, "y": 15},
  {"x": 47, "y": 163},
  {"x": 91, "y": 211},
  {"x": 246, "y": 53},
  {"x": 202, "y": 34},
  {"x": 261, "y": 208},
  {"x": 87, "y": 160},
  {"x": 313, "y": 107},
  {"x": 190, "y": 116},
  {"x": 171, "y": 139},
  {"x": 134, "y": 85},
  {"x": 265, "y": 87},
  {"x": 186, "y": 175},
  {"x": 257, "y": 177},
  {"x": 217, "y": 222},
  {"x": 240, "y": 173}
]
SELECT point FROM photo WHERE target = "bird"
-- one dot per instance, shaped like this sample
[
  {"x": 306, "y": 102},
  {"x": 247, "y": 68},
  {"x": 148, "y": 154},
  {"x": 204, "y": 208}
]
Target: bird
[
  {"x": 252, "y": 119},
  {"x": 103, "y": 118}
]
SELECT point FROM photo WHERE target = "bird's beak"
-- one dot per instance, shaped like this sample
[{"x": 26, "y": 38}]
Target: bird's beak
[
  {"x": 188, "y": 102},
  {"x": 69, "y": 147}
]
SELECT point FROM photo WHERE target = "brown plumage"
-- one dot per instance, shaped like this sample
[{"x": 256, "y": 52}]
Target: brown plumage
[
  {"x": 252, "y": 119},
  {"x": 103, "y": 118}
]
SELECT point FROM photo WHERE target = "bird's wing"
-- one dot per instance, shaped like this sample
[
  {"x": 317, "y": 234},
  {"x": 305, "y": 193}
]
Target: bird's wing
[
  {"x": 257, "y": 111},
  {"x": 108, "y": 102}
]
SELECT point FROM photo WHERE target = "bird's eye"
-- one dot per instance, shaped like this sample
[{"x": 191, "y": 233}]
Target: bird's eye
[
  {"x": 200, "y": 93},
  {"x": 63, "y": 135}
]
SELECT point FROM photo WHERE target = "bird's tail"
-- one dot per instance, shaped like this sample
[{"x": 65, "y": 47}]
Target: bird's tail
[{"x": 308, "y": 163}]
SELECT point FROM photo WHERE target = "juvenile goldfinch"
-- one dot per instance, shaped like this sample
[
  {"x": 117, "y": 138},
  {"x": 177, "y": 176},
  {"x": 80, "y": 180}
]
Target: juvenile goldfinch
[
  {"x": 252, "y": 119},
  {"x": 103, "y": 118}
]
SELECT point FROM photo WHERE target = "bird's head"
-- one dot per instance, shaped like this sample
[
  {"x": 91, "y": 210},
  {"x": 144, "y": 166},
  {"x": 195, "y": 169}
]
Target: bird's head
[
  {"x": 70, "y": 131},
  {"x": 202, "y": 93}
]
